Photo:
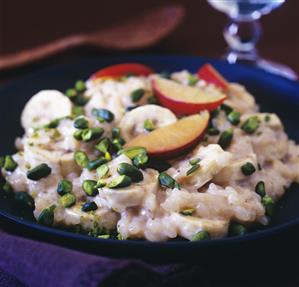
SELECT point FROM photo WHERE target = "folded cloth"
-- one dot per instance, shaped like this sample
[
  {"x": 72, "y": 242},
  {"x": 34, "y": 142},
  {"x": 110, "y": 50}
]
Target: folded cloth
[{"x": 33, "y": 263}]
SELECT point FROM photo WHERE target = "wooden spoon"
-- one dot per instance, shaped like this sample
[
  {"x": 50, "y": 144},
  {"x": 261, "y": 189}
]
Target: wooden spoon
[{"x": 142, "y": 31}]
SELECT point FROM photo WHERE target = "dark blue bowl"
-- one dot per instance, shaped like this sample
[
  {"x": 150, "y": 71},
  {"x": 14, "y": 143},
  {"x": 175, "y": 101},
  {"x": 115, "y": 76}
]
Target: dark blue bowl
[{"x": 274, "y": 94}]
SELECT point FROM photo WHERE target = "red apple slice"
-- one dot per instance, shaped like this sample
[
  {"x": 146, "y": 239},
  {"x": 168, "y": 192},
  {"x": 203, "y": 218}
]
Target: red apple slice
[
  {"x": 208, "y": 73},
  {"x": 116, "y": 71},
  {"x": 186, "y": 100},
  {"x": 174, "y": 139}
]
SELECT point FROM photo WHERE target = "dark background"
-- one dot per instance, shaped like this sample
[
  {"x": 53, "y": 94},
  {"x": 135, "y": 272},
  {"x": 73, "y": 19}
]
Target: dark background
[{"x": 25, "y": 24}]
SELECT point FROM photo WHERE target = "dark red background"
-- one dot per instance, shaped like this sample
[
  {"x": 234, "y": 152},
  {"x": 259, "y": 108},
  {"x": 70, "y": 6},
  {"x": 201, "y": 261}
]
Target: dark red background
[{"x": 28, "y": 23}]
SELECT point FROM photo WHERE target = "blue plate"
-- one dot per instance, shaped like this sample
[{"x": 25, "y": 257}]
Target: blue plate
[{"x": 274, "y": 94}]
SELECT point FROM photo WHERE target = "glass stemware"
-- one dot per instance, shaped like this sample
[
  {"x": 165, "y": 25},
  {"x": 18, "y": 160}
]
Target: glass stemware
[{"x": 244, "y": 31}]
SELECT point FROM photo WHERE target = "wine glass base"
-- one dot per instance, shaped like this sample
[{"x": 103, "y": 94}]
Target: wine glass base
[{"x": 268, "y": 66}]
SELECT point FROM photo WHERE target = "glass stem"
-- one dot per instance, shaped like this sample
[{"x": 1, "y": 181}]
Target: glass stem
[{"x": 242, "y": 37}]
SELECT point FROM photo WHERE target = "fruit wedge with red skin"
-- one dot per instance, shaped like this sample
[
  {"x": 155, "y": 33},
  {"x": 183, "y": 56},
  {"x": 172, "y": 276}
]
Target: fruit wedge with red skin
[
  {"x": 186, "y": 100},
  {"x": 175, "y": 139},
  {"x": 120, "y": 70},
  {"x": 208, "y": 73}
]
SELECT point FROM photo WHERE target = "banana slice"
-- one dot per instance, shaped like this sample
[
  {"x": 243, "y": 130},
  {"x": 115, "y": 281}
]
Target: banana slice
[
  {"x": 132, "y": 124},
  {"x": 43, "y": 107}
]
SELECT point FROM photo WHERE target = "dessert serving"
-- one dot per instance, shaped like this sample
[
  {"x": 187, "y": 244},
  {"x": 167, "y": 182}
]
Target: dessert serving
[{"x": 134, "y": 153}]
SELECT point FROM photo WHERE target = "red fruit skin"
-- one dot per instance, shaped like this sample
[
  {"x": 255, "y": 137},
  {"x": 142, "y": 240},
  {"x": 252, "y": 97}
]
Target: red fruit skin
[
  {"x": 208, "y": 73},
  {"x": 119, "y": 70},
  {"x": 183, "y": 108}
]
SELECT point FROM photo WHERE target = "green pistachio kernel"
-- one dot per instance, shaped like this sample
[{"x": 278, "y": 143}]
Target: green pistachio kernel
[
  {"x": 187, "y": 211},
  {"x": 132, "y": 152},
  {"x": 116, "y": 133},
  {"x": 39, "y": 172},
  {"x": 77, "y": 111},
  {"x": 234, "y": 118},
  {"x": 194, "y": 161},
  {"x": 260, "y": 188},
  {"x": 248, "y": 168},
  {"x": 251, "y": 125},
  {"x": 71, "y": 93},
  {"x": 236, "y": 229},
  {"x": 52, "y": 124},
  {"x": 104, "y": 236},
  {"x": 267, "y": 118},
  {"x": 92, "y": 134},
  {"x": 214, "y": 113},
  {"x": 194, "y": 168},
  {"x": 213, "y": 131},
  {"x": 140, "y": 160},
  {"x": 103, "y": 171},
  {"x": 94, "y": 164},
  {"x": 107, "y": 156},
  {"x": 269, "y": 205},
  {"x": 9, "y": 163},
  {"x": 47, "y": 216},
  {"x": 103, "y": 115},
  {"x": 64, "y": 187},
  {"x": 78, "y": 135},
  {"x": 80, "y": 100},
  {"x": 192, "y": 80},
  {"x": 80, "y": 86},
  {"x": 101, "y": 183},
  {"x": 201, "y": 235},
  {"x": 81, "y": 123},
  {"x": 103, "y": 146},
  {"x": 89, "y": 206},
  {"x": 167, "y": 181},
  {"x": 133, "y": 172},
  {"x": 149, "y": 125},
  {"x": 137, "y": 95},
  {"x": 81, "y": 158},
  {"x": 120, "y": 181},
  {"x": 67, "y": 200},
  {"x": 90, "y": 187},
  {"x": 2, "y": 161},
  {"x": 226, "y": 138},
  {"x": 226, "y": 108},
  {"x": 24, "y": 198}
]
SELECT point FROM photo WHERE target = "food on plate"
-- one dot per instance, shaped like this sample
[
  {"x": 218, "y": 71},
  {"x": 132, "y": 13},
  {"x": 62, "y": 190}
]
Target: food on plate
[{"x": 134, "y": 154}]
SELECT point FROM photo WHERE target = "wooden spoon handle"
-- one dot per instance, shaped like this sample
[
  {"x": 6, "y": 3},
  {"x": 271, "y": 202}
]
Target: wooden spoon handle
[{"x": 38, "y": 53}]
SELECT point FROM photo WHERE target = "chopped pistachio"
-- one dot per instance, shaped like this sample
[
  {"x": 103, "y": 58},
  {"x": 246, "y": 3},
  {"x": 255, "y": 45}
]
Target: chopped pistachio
[
  {"x": 103, "y": 146},
  {"x": 269, "y": 205},
  {"x": 81, "y": 159},
  {"x": 187, "y": 211},
  {"x": 137, "y": 95},
  {"x": 214, "y": 113},
  {"x": 234, "y": 118},
  {"x": 47, "y": 216},
  {"x": 260, "y": 188},
  {"x": 248, "y": 168},
  {"x": 213, "y": 131},
  {"x": 267, "y": 118},
  {"x": 80, "y": 100},
  {"x": 226, "y": 138},
  {"x": 89, "y": 206},
  {"x": 103, "y": 114},
  {"x": 2, "y": 161},
  {"x": 80, "y": 86},
  {"x": 251, "y": 125},
  {"x": 102, "y": 171},
  {"x": 9, "y": 163},
  {"x": 81, "y": 123},
  {"x": 104, "y": 236},
  {"x": 116, "y": 133},
  {"x": 71, "y": 93},
  {"x": 133, "y": 172},
  {"x": 52, "y": 124},
  {"x": 90, "y": 187},
  {"x": 192, "y": 80},
  {"x": 94, "y": 164},
  {"x": 140, "y": 160},
  {"x": 120, "y": 181},
  {"x": 67, "y": 200},
  {"x": 64, "y": 187},
  {"x": 167, "y": 181},
  {"x": 39, "y": 172},
  {"x": 132, "y": 152},
  {"x": 78, "y": 135},
  {"x": 226, "y": 108},
  {"x": 194, "y": 168},
  {"x": 92, "y": 134},
  {"x": 152, "y": 100},
  {"x": 194, "y": 161},
  {"x": 149, "y": 125},
  {"x": 201, "y": 235},
  {"x": 236, "y": 229},
  {"x": 130, "y": 108},
  {"x": 77, "y": 111}
]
